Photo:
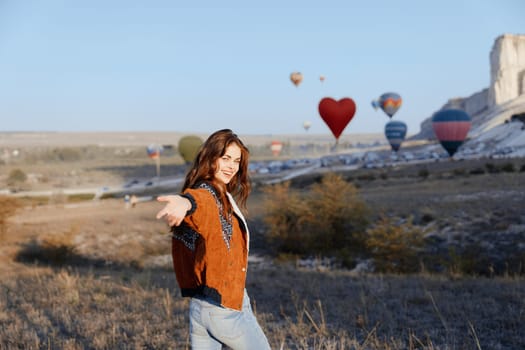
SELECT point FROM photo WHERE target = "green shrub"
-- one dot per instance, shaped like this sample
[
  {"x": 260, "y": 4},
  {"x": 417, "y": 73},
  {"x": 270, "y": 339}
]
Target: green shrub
[
  {"x": 508, "y": 168},
  {"x": 329, "y": 219},
  {"x": 426, "y": 216},
  {"x": 366, "y": 177},
  {"x": 424, "y": 173},
  {"x": 477, "y": 171},
  {"x": 491, "y": 168},
  {"x": 67, "y": 154},
  {"x": 469, "y": 260},
  {"x": 79, "y": 197},
  {"x": 459, "y": 172},
  {"x": 16, "y": 177}
]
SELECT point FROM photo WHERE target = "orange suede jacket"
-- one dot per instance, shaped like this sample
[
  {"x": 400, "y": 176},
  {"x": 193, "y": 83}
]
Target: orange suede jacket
[{"x": 210, "y": 251}]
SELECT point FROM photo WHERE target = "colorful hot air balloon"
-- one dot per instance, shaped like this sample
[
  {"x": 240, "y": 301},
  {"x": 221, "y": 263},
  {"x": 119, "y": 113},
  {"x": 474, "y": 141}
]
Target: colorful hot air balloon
[
  {"x": 337, "y": 114},
  {"x": 451, "y": 127},
  {"x": 296, "y": 78},
  {"x": 276, "y": 147},
  {"x": 307, "y": 124},
  {"x": 154, "y": 151},
  {"x": 390, "y": 103},
  {"x": 395, "y": 132}
]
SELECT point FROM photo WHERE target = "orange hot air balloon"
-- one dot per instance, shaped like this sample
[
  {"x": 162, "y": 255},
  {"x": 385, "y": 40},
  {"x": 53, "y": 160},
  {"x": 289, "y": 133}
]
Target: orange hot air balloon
[
  {"x": 321, "y": 77},
  {"x": 296, "y": 78}
]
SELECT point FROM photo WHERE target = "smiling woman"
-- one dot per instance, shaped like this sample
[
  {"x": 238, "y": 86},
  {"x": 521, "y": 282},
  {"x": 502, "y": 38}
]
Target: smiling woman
[{"x": 210, "y": 245}]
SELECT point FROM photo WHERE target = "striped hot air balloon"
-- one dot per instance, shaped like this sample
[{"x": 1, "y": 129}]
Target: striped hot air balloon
[
  {"x": 395, "y": 132},
  {"x": 451, "y": 127}
]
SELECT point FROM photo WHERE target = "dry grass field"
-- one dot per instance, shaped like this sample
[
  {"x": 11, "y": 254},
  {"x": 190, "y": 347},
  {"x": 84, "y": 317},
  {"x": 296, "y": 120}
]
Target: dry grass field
[{"x": 97, "y": 275}]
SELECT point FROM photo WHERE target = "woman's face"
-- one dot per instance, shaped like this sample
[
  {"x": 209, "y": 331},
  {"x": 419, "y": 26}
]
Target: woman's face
[{"x": 228, "y": 164}]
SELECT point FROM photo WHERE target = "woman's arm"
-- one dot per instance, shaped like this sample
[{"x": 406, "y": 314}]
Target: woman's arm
[{"x": 175, "y": 209}]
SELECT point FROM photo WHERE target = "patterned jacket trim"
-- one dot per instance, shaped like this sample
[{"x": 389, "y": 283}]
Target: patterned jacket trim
[{"x": 226, "y": 222}]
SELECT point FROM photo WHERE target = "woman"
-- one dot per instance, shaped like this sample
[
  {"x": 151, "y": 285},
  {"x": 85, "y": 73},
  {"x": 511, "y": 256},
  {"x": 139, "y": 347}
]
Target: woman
[{"x": 210, "y": 245}]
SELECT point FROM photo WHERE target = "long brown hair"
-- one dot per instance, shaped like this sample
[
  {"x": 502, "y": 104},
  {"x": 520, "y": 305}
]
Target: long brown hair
[{"x": 204, "y": 168}]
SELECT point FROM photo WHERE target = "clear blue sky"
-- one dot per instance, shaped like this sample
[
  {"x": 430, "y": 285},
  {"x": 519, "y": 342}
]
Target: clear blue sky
[{"x": 124, "y": 65}]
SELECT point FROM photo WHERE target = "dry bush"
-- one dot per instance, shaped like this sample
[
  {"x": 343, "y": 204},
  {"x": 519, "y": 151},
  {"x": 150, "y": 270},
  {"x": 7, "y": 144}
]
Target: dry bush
[
  {"x": 394, "y": 246},
  {"x": 491, "y": 168},
  {"x": 508, "y": 167},
  {"x": 329, "y": 219},
  {"x": 338, "y": 215},
  {"x": 459, "y": 172},
  {"x": 283, "y": 207},
  {"x": 16, "y": 176},
  {"x": 423, "y": 173},
  {"x": 8, "y": 207},
  {"x": 477, "y": 171},
  {"x": 55, "y": 249},
  {"x": 17, "y": 180},
  {"x": 59, "y": 154}
]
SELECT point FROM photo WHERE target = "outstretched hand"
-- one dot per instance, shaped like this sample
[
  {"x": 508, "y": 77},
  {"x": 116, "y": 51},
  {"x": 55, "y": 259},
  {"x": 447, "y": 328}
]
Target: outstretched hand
[{"x": 175, "y": 209}]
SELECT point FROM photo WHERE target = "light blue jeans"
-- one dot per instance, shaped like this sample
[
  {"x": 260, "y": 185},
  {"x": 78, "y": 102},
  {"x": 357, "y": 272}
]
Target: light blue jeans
[{"x": 213, "y": 326}]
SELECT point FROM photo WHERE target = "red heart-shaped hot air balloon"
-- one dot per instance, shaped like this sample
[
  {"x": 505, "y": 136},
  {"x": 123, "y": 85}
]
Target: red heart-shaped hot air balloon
[{"x": 337, "y": 114}]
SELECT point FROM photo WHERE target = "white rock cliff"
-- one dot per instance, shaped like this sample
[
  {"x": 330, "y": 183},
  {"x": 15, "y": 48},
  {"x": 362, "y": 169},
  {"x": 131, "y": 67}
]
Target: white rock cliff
[
  {"x": 505, "y": 95},
  {"x": 507, "y": 69}
]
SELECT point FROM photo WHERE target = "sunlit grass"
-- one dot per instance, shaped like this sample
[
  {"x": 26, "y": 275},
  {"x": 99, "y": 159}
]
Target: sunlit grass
[
  {"x": 82, "y": 308},
  {"x": 99, "y": 276}
]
